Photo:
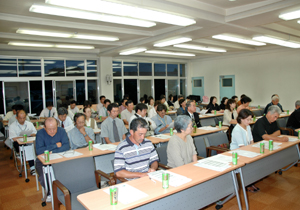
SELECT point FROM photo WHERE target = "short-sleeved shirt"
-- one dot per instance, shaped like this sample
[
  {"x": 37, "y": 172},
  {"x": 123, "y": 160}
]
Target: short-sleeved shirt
[
  {"x": 68, "y": 122},
  {"x": 103, "y": 112},
  {"x": 240, "y": 136},
  {"x": 107, "y": 129},
  {"x": 99, "y": 107},
  {"x": 13, "y": 118},
  {"x": 45, "y": 112},
  {"x": 161, "y": 122},
  {"x": 262, "y": 127},
  {"x": 125, "y": 114},
  {"x": 74, "y": 111},
  {"x": 294, "y": 120},
  {"x": 134, "y": 158},
  {"x": 77, "y": 139},
  {"x": 16, "y": 128},
  {"x": 180, "y": 152}
]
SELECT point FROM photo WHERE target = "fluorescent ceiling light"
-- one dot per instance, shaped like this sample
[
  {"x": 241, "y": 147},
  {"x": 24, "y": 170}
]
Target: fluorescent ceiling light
[
  {"x": 129, "y": 52},
  {"x": 172, "y": 42},
  {"x": 277, "y": 41},
  {"x": 290, "y": 15},
  {"x": 197, "y": 47},
  {"x": 124, "y": 10},
  {"x": 73, "y": 13},
  {"x": 239, "y": 40},
  {"x": 169, "y": 53},
  {"x": 65, "y": 35},
  {"x": 50, "y": 45}
]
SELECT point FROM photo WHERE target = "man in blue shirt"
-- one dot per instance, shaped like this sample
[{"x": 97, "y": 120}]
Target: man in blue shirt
[
  {"x": 163, "y": 121},
  {"x": 51, "y": 138},
  {"x": 275, "y": 101}
]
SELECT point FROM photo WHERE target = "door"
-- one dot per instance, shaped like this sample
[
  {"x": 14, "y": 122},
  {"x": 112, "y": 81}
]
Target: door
[
  {"x": 159, "y": 88},
  {"x": 198, "y": 86},
  {"x": 227, "y": 86},
  {"x": 145, "y": 89}
]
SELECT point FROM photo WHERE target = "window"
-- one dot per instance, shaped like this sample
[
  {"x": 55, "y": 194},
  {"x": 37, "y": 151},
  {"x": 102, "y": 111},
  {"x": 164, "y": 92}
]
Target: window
[
  {"x": 182, "y": 70},
  {"x": 130, "y": 69},
  {"x": 49, "y": 91},
  {"x": 145, "y": 88},
  {"x": 130, "y": 89},
  {"x": 91, "y": 66},
  {"x": 117, "y": 90},
  {"x": 172, "y": 88},
  {"x": 227, "y": 82},
  {"x": 198, "y": 83},
  {"x": 182, "y": 87},
  {"x": 1, "y": 100},
  {"x": 16, "y": 93},
  {"x": 159, "y": 69},
  {"x": 145, "y": 69},
  {"x": 54, "y": 68},
  {"x": 172, "y": 69},
  {"x": 8, "y": 67},
  {"x": 80, "y": 91},
  {"x": 64, "y": 91},
  {"x": 29, "y": 68},
  {"x": 117, "y": 68},
  {"x": 159, "y": 87},
  {"x": 92, "y": 91},
  {"x": 75, "y": 68},
  {"x": 36, "y": 97}
]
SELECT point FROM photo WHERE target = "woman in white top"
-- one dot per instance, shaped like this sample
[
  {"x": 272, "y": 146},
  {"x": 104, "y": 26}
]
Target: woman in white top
[
  {"x": 230, "y": 113},
  {"x": 152, "y": 111},
  {"x": 151, "y": 103},
  {"x": 242, "y": 136},
  {"x": 89, "y": 122}
]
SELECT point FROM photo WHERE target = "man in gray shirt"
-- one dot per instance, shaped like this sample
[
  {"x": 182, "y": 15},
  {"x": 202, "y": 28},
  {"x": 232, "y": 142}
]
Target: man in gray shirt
[
  {"x": 80, "y": 135},
  {"x": 128, "y": 112},
  {"x": 113, "y": 129}
]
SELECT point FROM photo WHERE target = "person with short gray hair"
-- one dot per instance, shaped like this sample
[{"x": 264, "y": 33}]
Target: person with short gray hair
[
  {"x": 191, "y": 112},
  {"x": 64, "y": 120},
  {"x": 181, "y": 149},
  {"x": 266, "y": 128},
  {"x": 294, "y": 119},
  {"x": 275, "y": 101}
]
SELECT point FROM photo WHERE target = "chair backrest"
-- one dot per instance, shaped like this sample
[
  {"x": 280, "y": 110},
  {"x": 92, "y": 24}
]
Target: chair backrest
[
  {"x": 77, "y": 174},
  {"x": 162, "y": 153},
  {"x": 217, "y": 119},
  {"x": 281, "y": 122},
  {"x": 208, "y": 121},
  {"x": 257, "y": 113},
  {"x": 200, "y": 146},
  {"x": 216, "y": 139}
]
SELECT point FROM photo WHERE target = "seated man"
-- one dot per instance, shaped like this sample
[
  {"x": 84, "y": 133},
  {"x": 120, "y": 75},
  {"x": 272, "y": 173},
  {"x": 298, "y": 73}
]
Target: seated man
[
  {"x": 100, "y": 105},
  {"x": 10, "y": 113},
  {"x": 15, "y": 130},
  {"x": 80, "y": 135},
  {"x": 163, "y": 121},
  {"x": 128, "y": 112},
  {"x": 13, "y": 118},
  {"x": 73, "y": 108},
  {"x": 51, "y": 138},
  {"x": 141, "y": 111},
  {"x": 266, "y": 128},
  {"x": 275, "y": 101},
  {"x": 136, "y": 156},
  {"x": 113, "y": 129},
  {"x": 64, "y": 120},
  {"x": 294, "y": 119},
  {"x": 103, "y": 111},
  {"x": 49, "y": 111},
  {"x": 69, "y": 114},
  {"x": 191, "y": 112}
]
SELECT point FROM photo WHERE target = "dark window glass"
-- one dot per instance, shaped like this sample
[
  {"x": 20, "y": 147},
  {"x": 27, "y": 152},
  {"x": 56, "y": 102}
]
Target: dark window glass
[
  {"x": 198, "y": 83},
  {"x": 36, "y": 97},
  {"x": 64, "y": 92},
  {"x": 227, "y": 82},
  {"x": 117, "y": 68},
  {"x": 8, "y": 67},
  {"x": 16, "y": 93},
  {"x": 29, "y": 68},
  {"x": 182, "y": 70},
  {"x": 172, "y": 69},
  {"x": 145, "y": 69},
  {"x": 49, "y": 91},
  {"x": 92, "y": 91},
  {"x": 159, "y": 69},
  {"x": 117, "y": 90},
  {"x": 130, "y": 68},
  {"x": 130, "y": 88},
  {"x": 1, "y": 99},
  {"x": 75, "y": 68},
  {"x": 80, "y": 91},
  {"x": 91, "y": 66},
  {"x": 159, "y": 86},
  {"x": 182, "y": 87},
  {"x": 54, "y": 68}
]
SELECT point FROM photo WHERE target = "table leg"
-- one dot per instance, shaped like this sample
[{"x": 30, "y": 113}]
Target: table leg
[
  {"x": 235, "y": 183},
  {"x": 244, "y": 188},
  {"x": 24, "y": 162},
  {"x": 50, "y": 186}
]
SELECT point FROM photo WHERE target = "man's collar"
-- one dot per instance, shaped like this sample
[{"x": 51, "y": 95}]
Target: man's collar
[{"x": 130, "y": 142}]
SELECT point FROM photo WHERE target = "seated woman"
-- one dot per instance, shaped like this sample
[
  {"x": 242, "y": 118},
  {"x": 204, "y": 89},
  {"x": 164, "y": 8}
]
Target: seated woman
[
  {"x": 181, "y": 149},
  {"x": 182, "y": 108},
  {"x": 245, "y": 104},
  {"x": 212, "y": 106},
  {"x": 89, "y": 122},
  {"x": 242, "y": 136},
  {"x": 170, "y": 101},
  {"x": 163, "y": 121},
  {"x": 152, "y": 112},
  {"x": 223, "y": 103},
  {"x": 230, "y": 113}
]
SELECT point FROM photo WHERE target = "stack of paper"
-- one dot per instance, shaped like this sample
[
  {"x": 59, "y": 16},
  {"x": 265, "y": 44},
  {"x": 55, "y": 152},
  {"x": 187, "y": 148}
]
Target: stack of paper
[
  {"x": 276, "y": 145},
  {"x": 128, "y": 194},
  {"x": 53, "y": 156},
  {"x": 161, "y": 136},
  {"x": 70, "y": 153},
  {"x": 175, "y": 179},
  {"x": 208, "y": 128},
  {"x": 105, "y": 146},
  {"x": 246, "y": 153},
  {"x": 216, "y": 163}
]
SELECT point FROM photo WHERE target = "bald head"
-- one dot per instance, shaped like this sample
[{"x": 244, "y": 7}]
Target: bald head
[{"x": 51, "y": 126}]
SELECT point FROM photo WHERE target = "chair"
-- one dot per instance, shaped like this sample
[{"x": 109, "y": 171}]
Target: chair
[
  {"x": 208, "y": 121},
  {"x": 200, "y": 146},
  {"x": 162, "y": 154},
  {"x": 217, "y": 119},
  {"x": 282, "y": 126},
  {"x": 257, "y": 113},
  {"x": 73, "y": 178},
  {"x": 213, "y": 140}
]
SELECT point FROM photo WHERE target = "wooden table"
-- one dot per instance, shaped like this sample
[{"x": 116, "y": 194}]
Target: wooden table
[
  {"x": 210, "y": 115},
  {"x": 207, "y": 186}
]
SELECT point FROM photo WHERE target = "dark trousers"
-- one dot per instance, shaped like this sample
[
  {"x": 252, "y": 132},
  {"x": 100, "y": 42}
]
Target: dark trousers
[
  {"x": 16, "y": 146},
  {"x": 39, "y": 169}
]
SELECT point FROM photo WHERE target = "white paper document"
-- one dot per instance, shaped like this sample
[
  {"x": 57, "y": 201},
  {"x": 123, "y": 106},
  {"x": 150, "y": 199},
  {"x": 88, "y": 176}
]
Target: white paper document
[
  {"x": 70, "y": 153},
  {"x": 96, "y": 130},
  {"x": 203, "y": 111},
  {"x": 175, "y": 180},
  {"x": 29, "y": 138},
  {"x": 209, "y": 114},
  {"x": 291, "y": 138},
  {"x": 221, "y": 158},
  {"x": 214, "y": 163},
  {"x": 128, "y": 194},
  {"x": 161, "y": 136},
  {"x": 276, "y": 145},
  {"x": 53, "y": 156},
  {"x": 246, "y": 153},
  {"x": 208, "y": 128},
  {"x": 105, "y": 146}
]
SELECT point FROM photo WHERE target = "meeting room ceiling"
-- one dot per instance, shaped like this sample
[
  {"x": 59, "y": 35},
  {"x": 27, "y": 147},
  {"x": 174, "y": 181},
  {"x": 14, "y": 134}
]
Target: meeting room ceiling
[{"x": 241, "y": 18}]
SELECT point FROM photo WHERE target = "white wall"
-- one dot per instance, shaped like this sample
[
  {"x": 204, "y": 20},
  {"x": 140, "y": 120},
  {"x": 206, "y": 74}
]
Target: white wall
[
  {"x": 106, "y": 69},
  {"x": 258, "y": 75}
]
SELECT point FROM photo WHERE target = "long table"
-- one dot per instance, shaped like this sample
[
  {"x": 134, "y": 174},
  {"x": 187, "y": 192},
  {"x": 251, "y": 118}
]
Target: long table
[{"x": 198, "y": 193}]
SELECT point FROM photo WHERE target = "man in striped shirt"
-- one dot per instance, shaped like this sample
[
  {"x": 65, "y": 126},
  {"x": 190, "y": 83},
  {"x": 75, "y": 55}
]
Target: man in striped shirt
[{"x": 135, "y": 156}]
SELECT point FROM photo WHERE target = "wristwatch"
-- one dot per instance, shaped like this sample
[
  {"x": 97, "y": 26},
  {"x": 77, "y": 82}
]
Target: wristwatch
[{"x": 85, "y": 135}]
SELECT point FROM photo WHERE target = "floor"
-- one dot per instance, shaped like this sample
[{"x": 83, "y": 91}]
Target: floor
[{"x": 277, "y": 191}]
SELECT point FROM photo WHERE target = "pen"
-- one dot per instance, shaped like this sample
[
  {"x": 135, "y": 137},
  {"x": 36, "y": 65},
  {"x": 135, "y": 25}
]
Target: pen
[{"x": 152, "y": 180}]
